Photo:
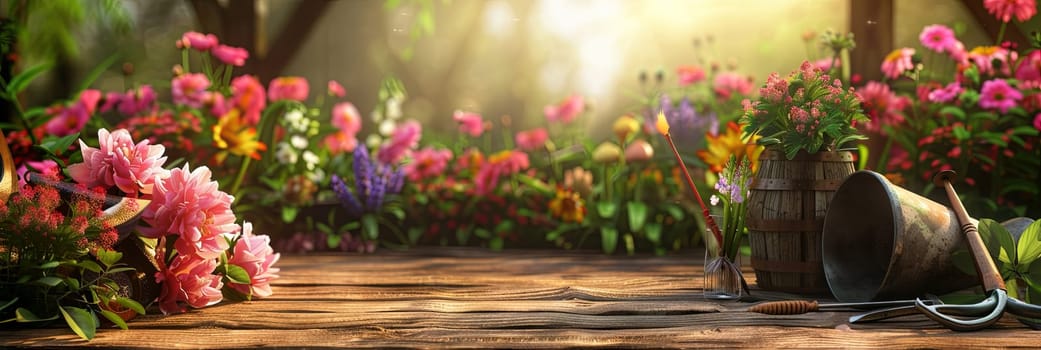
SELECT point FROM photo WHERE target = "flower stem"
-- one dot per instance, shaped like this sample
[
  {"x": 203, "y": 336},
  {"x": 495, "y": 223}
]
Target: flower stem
[
  {"x": 1001, "y": 33},
  {"x": 246, "y": 160}
]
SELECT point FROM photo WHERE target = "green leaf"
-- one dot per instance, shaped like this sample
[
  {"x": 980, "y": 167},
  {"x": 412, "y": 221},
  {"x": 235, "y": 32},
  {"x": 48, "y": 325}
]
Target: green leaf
[
  {"x": 637, "y": 215},
  {"x": 89, "y": 266},
  {"x": 82, "y": 322},
  {"x": 49, "y": 265},
  {"x": 6, "y": 304},
  {"x": 120, "y": 269},
  {"x": 61, "y": 144},
  {"x": 608, "y": 239},
  {"x": 22, "y": 80},
  {"x": 606, "y": 209},
  {"x": 237, "y": 274},
  {"x": 675, "y": 211},
  {"x": 108, "y": 257},
  {"x": 115, "y": 319},
  {"x": 1029, "y": 246},
  {"x": 397, "y": 212},
  {"x": 73, "y": 283},
  {"x": 370, "y": 227},
  {"x": 496, "y": 244},
  {"x": 992, "y": 232},
  {"x": 324, "y": 228},
  {"x": 289, "y": 213},
  {"x": 414, "y": 234},
  {"x": 50, "y": 281},
  {"x": 23, "y": 315},
  {"x": 953, "y": 111},
  {"x": 131, "y": 304},
  {"x": 654, "y": 233},
  {"x": 960, "y": 133},
  {"x": 97, "y": 71},
  {"x": 482, "y": 233}
]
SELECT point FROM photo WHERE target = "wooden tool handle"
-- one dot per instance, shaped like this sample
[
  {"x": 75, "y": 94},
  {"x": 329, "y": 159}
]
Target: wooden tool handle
[
  {"x": 787, "y": 307},
  {"x": 988, "y": 272}
]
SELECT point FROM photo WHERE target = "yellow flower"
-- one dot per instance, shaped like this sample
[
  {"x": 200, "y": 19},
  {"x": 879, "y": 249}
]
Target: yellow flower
[
  {"x": 568, "y": 206},
  {"x": 729, "y": 142},
  {"x": 607, "y": 152},
  {"x": 233, "y": 135},
  {"x": 625, "y": 126},
  {"x": 662, "y": 124}
]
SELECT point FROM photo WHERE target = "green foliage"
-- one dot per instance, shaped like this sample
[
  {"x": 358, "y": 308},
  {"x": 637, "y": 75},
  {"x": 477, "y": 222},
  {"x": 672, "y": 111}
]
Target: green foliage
[{"x": 1016, "y": 259}]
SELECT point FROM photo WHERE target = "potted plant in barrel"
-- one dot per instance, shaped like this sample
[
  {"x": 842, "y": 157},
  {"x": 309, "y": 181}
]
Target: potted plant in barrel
[{"x": 805, "y": 120}]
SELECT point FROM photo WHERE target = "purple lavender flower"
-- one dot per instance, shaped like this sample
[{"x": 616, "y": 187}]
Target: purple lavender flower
[
  {"x": 378, "y": 190},
  {"x": 363, "y": 171},
  {"x": 347, "y": 199},
  {"x": 397, "y": 181}
]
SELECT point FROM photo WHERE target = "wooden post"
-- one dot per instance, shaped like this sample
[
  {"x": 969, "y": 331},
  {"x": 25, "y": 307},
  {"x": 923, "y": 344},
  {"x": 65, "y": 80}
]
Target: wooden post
[{"x": 871, "y": 22}]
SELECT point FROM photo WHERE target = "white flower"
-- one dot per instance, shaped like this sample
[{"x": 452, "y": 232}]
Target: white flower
[
  {"x": 318, "y": 175},
  {"x": 310, "y": 159},
  {"x": 394, "y": 108},
  {"x": 376, "y": 116},
  {"x": 373, "y": 141},
  {"x": 387, "y": 127},
  {"x": 298, "y": 141},
  {"x": 285, "y": 154},
  {"x": 296, "y": 121},
  {"x": 714, "y": 200}
]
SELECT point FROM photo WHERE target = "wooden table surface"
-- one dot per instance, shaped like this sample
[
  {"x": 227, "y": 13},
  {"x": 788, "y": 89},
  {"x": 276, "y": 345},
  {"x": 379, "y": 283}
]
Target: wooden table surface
[{"x": 457, "y": 297}]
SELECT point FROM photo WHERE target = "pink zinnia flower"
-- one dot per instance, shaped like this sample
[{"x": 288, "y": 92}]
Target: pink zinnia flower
[
  {"x": 248, "y": 96},
  {"x": 427, "y": 162},
  {"x": 70, "y": 119},
  {"x": 957, "y": 52},
  {"x": 188, "y": 279},
  {"x": 335, "y": 89},
  {"x": 897, "y": 62},
  {"x": 945, "y": 94},
  {"x": 1029, "y": 70},
  {"x": 1005, "y": 9},
  {"x": 254, "y": 254},
  {"x": 998, "y": 95},
  {"x": 346, "y": 118},
  {"x": 235, "y": 56},
  {"x": 986, "y": 57},
  {"x": 469, "y": 123},
  {"x": 500, "y": 164},
  {"x": 198, "y": 41},
  {"x": 133, "y": 168},
  {"x": 689, "y": 75},
  {"x": 402, "y": 141},
  {"x": 882, "y": 105},
  {"x": 531, "y": 140},
  {"x": 190, "y": 89},
  {"x": 937, "y": 37},
  {"x": 190, "y": 205},
  {"x": 288, "y": 88},
  {"x": 727, "y": 84},
  {"x": 340, "y": 142},
  {"x": 566, "y": 111}
]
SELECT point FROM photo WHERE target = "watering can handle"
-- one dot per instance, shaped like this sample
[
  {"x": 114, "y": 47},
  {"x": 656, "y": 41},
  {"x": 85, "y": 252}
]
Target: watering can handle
[{"x": 985, "y": 268}]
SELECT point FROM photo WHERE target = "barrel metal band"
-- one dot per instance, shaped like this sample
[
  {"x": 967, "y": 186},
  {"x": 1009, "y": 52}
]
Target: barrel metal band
[
  {"x": 786, "y": 226},
  {"x": 821, "y": 156},
  {"x": 810, "y": 267},
  {"x": 772, "y": 184}
]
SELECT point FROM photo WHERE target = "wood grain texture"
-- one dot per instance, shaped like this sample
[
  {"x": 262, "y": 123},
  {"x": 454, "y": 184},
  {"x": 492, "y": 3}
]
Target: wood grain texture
[{"x": 466, "y": 298}]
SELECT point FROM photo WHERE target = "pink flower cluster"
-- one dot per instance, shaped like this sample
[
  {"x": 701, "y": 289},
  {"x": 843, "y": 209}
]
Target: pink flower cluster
[
  {"x": 70, "y": 119},
  {"x": 288, "y": 88},
  {"x": 253, "y": 253},
  {"x": 141, "y": 100},
  {"x": 499, "y": 165},
  {"x": 347, "y": 120},
  {"x": 231, "y": 55},
  {"x": 690, "y": 75},
  {"x": 898, "y": 62},
  {"x": 531, "y": 140},
  {"x": 404, "y": 139},
  {"x": 998, "y": 95},
  {"x": 469, "y": 123},
  {"x": 882, "y": 105},
  {"x": 1005, "y": 9},
  {"x": 133, "y": 168},
  {"x": 428, "y": 162},
  {"x": 566, "y": 111},
  {"x": 775, "y": 90},
  {"x": 190, "y": 205},
  {"x": 728, "y": 84}
]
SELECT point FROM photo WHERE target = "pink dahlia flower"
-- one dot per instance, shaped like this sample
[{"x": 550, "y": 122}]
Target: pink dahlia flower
[
  {"x": 253, "y": 253},
  {"x": 198, "y": 41},
  {"x": 1005, "y": 9},
  {"x": 235, "y": 56},
  {"x": 288, "y": 88},
  {"x": 346, "y": 118},
  {"x": 188, "y": 279},
  {"x": 133, "y": 168},
  {"x": 998, "y": 95},
  {"x": 427, "y": 162},
  {"x": 882, "y": 105},
  {"x": 1029, "y": 70},
  {"x": 190, "y": 205},
  {"x": 937, "y": 37},
  {"x": 566, "y": 111},
  {"x": 690, "y": 75},
  {"x": 897, "y": 62},
  {"x": 335, "y": 89},
  {"x": 404, "y": 139},
  {"x": 531, "y": 140},
  {"x": 946, "y": 94},
  {"x": 70, "y": 119},
  {"x": 248, "y": 96},
  {"x": 469, "y": 123},
  {"x": 728, "y": 84},
  {"x": 190, "y": 89}
]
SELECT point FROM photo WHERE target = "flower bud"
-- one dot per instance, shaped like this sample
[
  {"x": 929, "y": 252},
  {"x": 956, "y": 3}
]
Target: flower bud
[
  {"x": 607, "y": 152},
  {"x": 639, "y": 151}
]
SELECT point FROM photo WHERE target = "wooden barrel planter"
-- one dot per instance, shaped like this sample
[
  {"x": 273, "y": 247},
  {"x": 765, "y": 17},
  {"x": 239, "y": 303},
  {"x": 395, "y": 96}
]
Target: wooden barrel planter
[{"x": 786, "y": 217}]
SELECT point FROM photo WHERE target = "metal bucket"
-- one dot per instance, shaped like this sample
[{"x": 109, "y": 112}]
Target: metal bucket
[{"x": 882, "y": 242}]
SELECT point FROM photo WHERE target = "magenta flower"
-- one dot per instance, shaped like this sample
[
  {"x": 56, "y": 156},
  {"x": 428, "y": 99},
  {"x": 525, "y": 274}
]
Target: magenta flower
[
  {"x": 133, "y": 168},
  {"x": 882, "y": 105},
  {"x": 566, "y": 111},
  {"x": 198, "y": 41},
  {"x": 998, "y": 95},
  {"x": 946, "y": 94},
  {"x": 1037, "y": 121},
  {"x": 937, "y": 37},
  {"x": 404, "y": 139},
  {"x": 427, "y": 162},
  {"x": 288, "y": 88},
  {"x": 1005, "y": 9},
  {"x": 248, "y": 96},
  {"x": 70, "y": 119},
  {"x": 531, "y": 140},
  {"x": 335, "y": 89},
  {"x": 469, "y": 123},
  {"x": 188, "y": 279},
  {"x": 190, "y": 89},
  {"x": 992, "y": 59},
  {"x": 1029, "y": 70},
  {"x": 48, "y": 168},
  {"x": 957, "y": 52},
  {"x": 897, "y": 62},
  {"x": 689, "y": 75},
  {"x": 235, "y": 56},
  {"x": 728, "y": 84},
  {"x": 190, "y": 205},
  {"x": 253, "y": 253}
]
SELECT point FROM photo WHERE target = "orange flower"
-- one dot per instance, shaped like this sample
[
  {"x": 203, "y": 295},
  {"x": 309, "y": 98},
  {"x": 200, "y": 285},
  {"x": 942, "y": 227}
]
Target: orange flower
[
  {"x": 568, "y": 206},
  {"x": 729, "y": 142},
  {"x": 233, "y": 135}
]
